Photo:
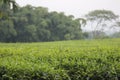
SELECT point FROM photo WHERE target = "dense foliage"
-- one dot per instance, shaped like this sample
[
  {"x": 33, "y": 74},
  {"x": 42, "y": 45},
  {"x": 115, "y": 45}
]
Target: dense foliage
[
  {"x": 30, "y": 24},
  {"x": 7, "y": 4},
  {"x": 66, "y": 60}
]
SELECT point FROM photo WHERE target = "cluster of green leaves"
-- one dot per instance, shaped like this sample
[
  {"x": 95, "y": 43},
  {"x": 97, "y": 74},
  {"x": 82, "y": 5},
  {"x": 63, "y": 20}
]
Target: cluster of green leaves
[
  {"x": 65, "y": 60},
  {"x": 7, "y": 4},
  {"x": 30, "y": 24}
]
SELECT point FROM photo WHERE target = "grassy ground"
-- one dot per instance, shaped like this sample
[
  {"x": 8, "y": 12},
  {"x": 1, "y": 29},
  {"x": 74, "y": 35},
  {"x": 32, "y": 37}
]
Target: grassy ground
[{"x": 61, "y": 60}]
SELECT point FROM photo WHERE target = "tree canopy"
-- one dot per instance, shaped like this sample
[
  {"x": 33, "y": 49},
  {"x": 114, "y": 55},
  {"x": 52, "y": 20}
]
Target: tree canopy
[
  {"x": 11, "y": 3},
  {"x": 101, "y": 20},
  {"x": 30, "y": 24},
  {"x": 100, "y": 17},
  {"x": 7, "y": 4}
]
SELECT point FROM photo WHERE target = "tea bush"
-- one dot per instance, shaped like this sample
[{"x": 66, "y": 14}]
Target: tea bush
[{"x": 62, "y": 60}]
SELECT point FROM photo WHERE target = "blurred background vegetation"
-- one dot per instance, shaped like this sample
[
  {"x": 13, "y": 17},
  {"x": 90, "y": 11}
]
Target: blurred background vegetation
[{"x": 33, "y": 24}]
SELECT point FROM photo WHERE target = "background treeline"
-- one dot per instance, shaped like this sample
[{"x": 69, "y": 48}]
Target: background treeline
[
  {"x": 30, "y": 24},
  {"x": 34, "y": 24}
]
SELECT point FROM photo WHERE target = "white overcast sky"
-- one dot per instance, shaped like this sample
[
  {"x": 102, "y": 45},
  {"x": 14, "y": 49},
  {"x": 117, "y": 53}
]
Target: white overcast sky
[{"x": 74, "y": 7}]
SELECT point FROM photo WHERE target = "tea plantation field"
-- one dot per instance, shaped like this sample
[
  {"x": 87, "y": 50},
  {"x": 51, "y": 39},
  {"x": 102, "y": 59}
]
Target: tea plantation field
[{"x": 61, "y": 60}]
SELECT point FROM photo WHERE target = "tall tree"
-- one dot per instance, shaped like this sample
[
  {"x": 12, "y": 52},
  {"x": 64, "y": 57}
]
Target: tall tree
[
  {"x": 101, "y": 19},
  {"x": 11, "y": 3},
  {"x": 7, "y": 4}
]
